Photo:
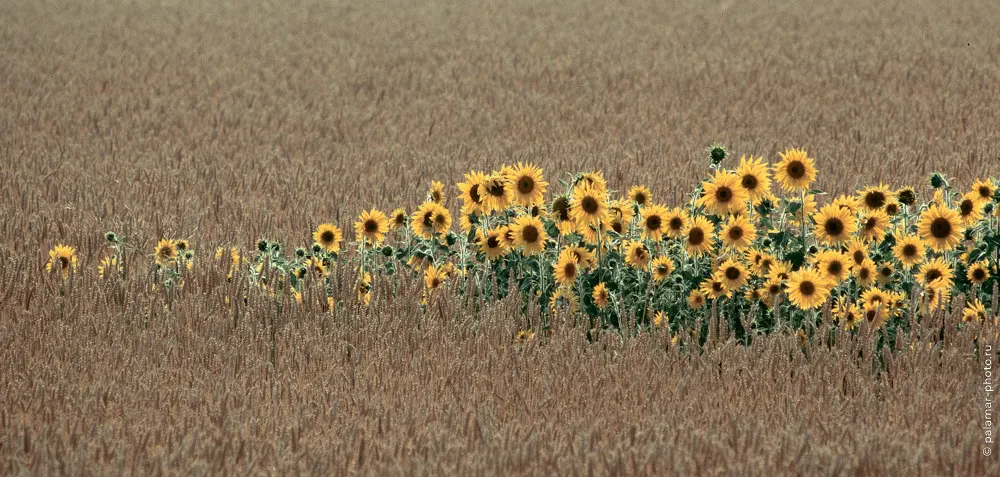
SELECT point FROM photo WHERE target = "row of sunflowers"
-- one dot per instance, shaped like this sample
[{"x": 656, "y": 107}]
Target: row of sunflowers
[{"x": 755, "y": 241}]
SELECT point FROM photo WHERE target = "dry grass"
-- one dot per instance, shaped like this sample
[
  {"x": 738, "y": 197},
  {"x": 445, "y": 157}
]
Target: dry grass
[{"x": 227, "y": 121}]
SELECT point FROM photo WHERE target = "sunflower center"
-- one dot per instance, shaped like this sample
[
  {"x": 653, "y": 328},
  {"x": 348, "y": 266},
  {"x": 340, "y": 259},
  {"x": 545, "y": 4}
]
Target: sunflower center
[
  {"x": 525, "y": 185},
  {"x": 718, "y": 287},
  {"x": 617, "y": 226},
  {"x": 864, "y": 273},
  {"x": 371, "y": 226},
  {"x": 696, "y": 236},
  {"x": 493, "y": 241},
  {"x": 870, "y": 315},
  {"x": 590, "y": 205},
  {"x": 561, "y": 207},
  {"x": 835, "y": 268},
  {"x": 932, "y": 275},
  {"x": 529, "y": 233},
  {"x": 909, "y": 250},
  {"x": 733, "y": 273},
  {"x": 496, "y": 189},
  {"x": 676, "y": 223},
  {"x": 428, "y": 219},
  {"x": 774, "y": 289},
  {"x": 640, "y": 198},
  {"x": 436, "y": 282},
  {"x": 326, "y": 236},
  {"x": 735, "y": 233},
  {"x": 662, "y": 270},
  {"x": 985, "y": 192},
  {"x": 979, "y": 274},
  {"x": 653, "y": 222},
  {"x": 64, "y": 262},
  {"x": 570, "y": 269},
  {"x": 834, "y": 227},
  {"x": 640, "y": 253},
  {"x": 871, "y": 223},
  {"x": 966, "y": 207},
  {"x": 440, "y": 220},
  {"x": 885, "y": 271},
  {"x": 875, "y": 199},
  {"x": 859, "y": 256},
  {"x": 749, "y": 182},
  {"x": 892, "y": 208},
  {"x": 941, "y": 228},
  {"x": 474, "y": 193},
  {"x": 807, "y": 288},
  {"x": 724, "y": 194},
  {"x": 796, "y": 170}
]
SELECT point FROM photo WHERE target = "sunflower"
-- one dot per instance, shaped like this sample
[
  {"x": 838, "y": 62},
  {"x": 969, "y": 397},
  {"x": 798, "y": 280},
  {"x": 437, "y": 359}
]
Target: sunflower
[
  {"x": 589, "y": 206},
  {"x": 661, "y": 319},
  {"x": 874, "y": 295},
  {"x": 875, "y": 198},
  {"x": 753, "y": 294},
  {"x": 877, "y": 315},
  {"x": 529, "y": 234},
  {"x": 496, "y": 192},
  {"x": 467, "y": 220},
  {"x": 885, "y": 272},
  {"x": 371, "y": 226},
  {"x": 907, "y": 196},
  {"x": 564, "y": 298},
  {"x": 723, "y": 194},
  {"x": 834, "y": 224},
  {"x": 772, "y": 289},
  {"x": 108, "y": 264},
  {"x": 317, "y": 265},
  {"x": 364, "y": 288},
  {"x": 653, "y": 218},
  {"x": 978, "y": 273},
  {"x": 970, "y": 209},
  {"x": 430, "y": 219},
  {"x": 473, "y": 191},
  {"x": 754, "y": 179},
  {"x": 848, "y": 315},
  {"x": 441, "y": 220},
  {"x": 328, "y": 236},
  {"x": 780, "y": 271},
  {"x": 857, "y": 251},
  {"x": 674, "y": 221},
  {"x": 436, "y": 193},
  {"x": 732, "y": 274},
  {"x": 640, "y": 195},
  {"x": 560, "y": 215},
  {"x": 936, "y": 271},
  {"x": 594, "y": 180},
  {"x": 698, "y": 237},
  {"x": 525, "y": 184},
  {"x": 615, "y": 224},
  {"x": 849, "y": 202},
  {"x": 434, "y": 277},
  {"x": 738, "y": 232},
  {"x": 601, "y": 296},
  {"x": 621, "y": 209},
  {"x": 833, "y": 265},
  {"x": 585, "y": 257},
  {"x": 984, "y": 190},
  {"x": 873, "y": 226},
  {"x": 637, "y": 255},
  {"x": 796, "y": 171},
  {"x": 974, "y": 311},
  {"x": 892, "y": 208},
  {"x": 807, "y": 289},
  {"x": 662, "y": 268},
  {"x": 696, "y": 299},
  {"x": 940, "y": 228},
  {"x": 566, "y": 269},
  {"x": 713, "y": 288},
  {"x": 909, "y": 250},
  {"x": 940, "y": 295},
  {"x": 165, "y": 251},
  {"x": 63, "y": 258},
  {"x": 865, "y": 273}
]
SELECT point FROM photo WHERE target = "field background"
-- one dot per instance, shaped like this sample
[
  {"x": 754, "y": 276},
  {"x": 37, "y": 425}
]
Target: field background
[{"x": 225, "y": 122}]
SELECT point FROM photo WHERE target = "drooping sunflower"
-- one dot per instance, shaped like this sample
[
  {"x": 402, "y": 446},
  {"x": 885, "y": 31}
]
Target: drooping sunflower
[
  {"x": 495, "y": 199},
  {"x": 436, "y": 193},
  {"x": 974, "y": 311},
  {"x": 493, "y": 244},
  {"x": 807, "y": 289},
  {"x": 738, "y": 233},
  {"x": 567, "y": 268},
  {"x": 907, "y": 196},
  {"x": 640, "y": 195},
  {"x": 662, "y": 268},
  {"x": 732, "y": 274},
  {"x": 529, "y": 234},
  {"x": 713, "y": 288},
  {"x": 561, "y": 216},
  {"x": 473, "y": 191},
  {"x": 467, "y": 220},
  {"x": 754, "y": 178},
  {"x": 873, "y": 226},
  {"x": 796, "y": 170},
  {"x": 875, "y": 197},
  {"x": 637, "y": 255},
  {"x": 833, "y": 266},
  {"x": 589, "y": 206},
  {"x": 674, "y": 221},
  {"x": 978, "y": 273},
  {"x": 696, "y": 299},
  {"x": 940, "y": 228},
  {"x": 984, "y": 190},
  {"x": 601, "y": 296},
  {"x": 165, "y": 251},
  {"x": 525, "y": 184},
  {"x": 865, "y": 273},
  {"x": 653, "y": 220},
  {"x": 723, "y": 194},
  {"x": 615, "y": 224},
  {"x": 371, "y": 226},
  {"x": 910, "y": 250},
  {"x": 970, "y": 209},
  {"x": 328, "y": 236},
  {"x": 397, "y": 219},
  {"x": 699, "y": 236},
  {"x": 62, "y": 258},
  {"x": 936, "y": 272},
  {"x": 834, "y": 224}
]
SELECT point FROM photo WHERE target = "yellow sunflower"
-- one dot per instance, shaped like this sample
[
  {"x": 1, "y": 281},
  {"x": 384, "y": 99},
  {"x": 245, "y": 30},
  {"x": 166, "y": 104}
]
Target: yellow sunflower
[
  {"x": 738, "y": 233},
  {"x": 364, "y": 288},
  {"x": 974, "y": 311},
  {"x": 807, "y": 289},
  {"x": 713, "y": 288},
  {"x": 529, "y": 234},
  {"x": 662, "y": 268},
  {"x": 849, "y": 202},
  {"x": 473, "y": 192},
  {"x": 834, "y": 224},
  {"x": 892, "y": 208},
  {"x": 984, "y": 190},
  {"x": 936, "y": 272},
  {"x": 493, "y": 244},
  {"x": 874, "y": 198},
  {"x": 165, "y": 251},
  {"x": 653, "y": 218},
  {"x": 434, "y": 277},
  {"x": 107, "y": 266},
  {"x": 970, "y": 209},
  {"x": 909, "y": 250},
  {"x": 397, "y": 219},
  {"x": 589, "y": 206},
  {"x": 865, "y": 273},
  {"x": 674, "y": 221},
  {"x": 723, "y": 194},
  {"x": 796, "y": 170},
  {"x": 873, "y": 226},
  {"x": 937, "y": 295},
  {"x": 585, "y": 257},
  {"x": 328, "y": 236},
  {"x": 877, "y": 315},
  {"x": 640, "y": 195},
  {"x": 371, "y": 226},
  {"x": 567, "y": 268},
  {"x": 698, "y": 237},
  {"x": 885, "y": 272},
  {"x": 564, "y": 298},
  {"x": 601, "y": 296},
  {"x": 637, "y": 255},
  {"x": 940, "y": 228},
  {"x": 907, "y": 196},
  {"x": 754, "y": 179},
  {"x": 696, "y": 299},
  {"x": 772, "y": 289},
  {"x": 848, "y": 315},
  {"x": 561, "y": 216},
  {"x": 857, "y": 251},
  {"x": 441, "y": 220},
  {"x": 874, "y": 295},
  {"x": 594, "y": 180},
  {"x": 833, "y": 265},
  {"x": 978, "y": 272},
  {"x": 661, "y": 319},
  {"x": 732, "y": 274},
  {"x": 436, "y": 193},
  {"x": 62, "y": 258},
  {"x": 525, "y": 184},
  {"x": 622, "y": 210},
  {"x": 495, "y": 198}
]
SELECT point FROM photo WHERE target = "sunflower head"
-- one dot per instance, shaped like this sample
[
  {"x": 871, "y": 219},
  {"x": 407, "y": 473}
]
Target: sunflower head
[
  {"x": 529, "y": 234},
  {"x": 978, "y": 272},
  {"x": 640, "y": 195},
  {"x": 63, "y": 259},
  {"x": 601, "y": 296},
  {"x": 525, "y": 184},
  {"x": 637, "y": 255},
  {"x": 723, "y": 194},
  {"x": 165, "y": 251},
  {"x": 698, "y": 237},
  {"x": 796, "y": 171},
  {"x": 662, "y": 268},
  {"x": 940, "y": 228},
  {"x": 696, "y": 299},
  {"x": 754, "y": 179},
  {"x": 907, "y": 196},
  {"x": 807, "y": 289},
  {"x": 328, "y": 237}
]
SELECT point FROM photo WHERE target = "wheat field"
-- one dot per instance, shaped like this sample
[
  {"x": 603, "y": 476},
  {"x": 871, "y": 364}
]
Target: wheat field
[{"x": 227, "y": 122}]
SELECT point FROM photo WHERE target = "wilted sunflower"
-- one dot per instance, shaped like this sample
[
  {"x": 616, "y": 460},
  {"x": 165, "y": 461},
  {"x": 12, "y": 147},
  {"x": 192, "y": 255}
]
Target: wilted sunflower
[
  {"x": 865, "y": 273},
  {"x": 165, "y": 251},
  {"x": 493, "y": 244},
  {"x": 601, "y": 296},
  {"x": 875, "y": 197},
  {"x": 699, "y": 236},
  {"x": 907, "y": 196},
  {"x": 873, "y": 226},
  {"x": 940, "y": 228},
  {"x": 62, "y": 258},
  {"x": 754, "y": 179},
  {"x": 696, "y": 299},
  {"x": 662, "y": 268},
  {"x": 974, "y": 311},
  {"x": 637, "y": 255},
  {"x": 567, "y": 268},
  {"x": 371, "y": 226},
  {"x": 732, "y": 274},
  {"x": 436, "y": 193},
  {"x": 713, "y": 288},
  {"x": 723, "y": 194},
  {"x": 529, "y": 234},
  {"x": 588, "y": 206},
  {"x": 496, "y": 192},
  {"x": 978, "y": 273},
  {"x": 473, "y": 191},
  {"x": 807, "y": 289},
  {"x": 936, "y": 272},
  {"x": 910, "y": 250},
  {"x": 525, "y": 184},
  {"x": 328, "y": 236},
  {"x": 984, "y": 190},
  {"x": 397, "y": 219},
  {"x": 834, "y": 224},
  {"x": 640, "y": 195},
  {"x": 796, "y": 170},
  {"x": 738, "y": 233},
  {"x": 833, "y": 266},
  {"x": 970, "y": 209},
  {"x": 560, "y": 215}
]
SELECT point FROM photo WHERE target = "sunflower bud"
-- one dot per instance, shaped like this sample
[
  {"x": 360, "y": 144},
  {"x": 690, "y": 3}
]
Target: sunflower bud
[
  {"x": 387, "y": 251},
  {"x": 111, "y": 237},
  {"x": 275, "y": 247},
  {"x": 938, "y": 181},
  {"x": 988, "y": 208},
  {"x": 300, "y": 252},
  {"x": 262, "y": 245},
  {"x": 317, "y": 248},
  {"x": 718, "y": 154}
]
